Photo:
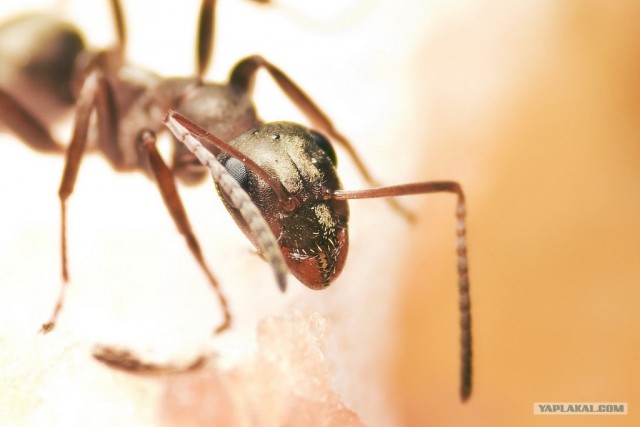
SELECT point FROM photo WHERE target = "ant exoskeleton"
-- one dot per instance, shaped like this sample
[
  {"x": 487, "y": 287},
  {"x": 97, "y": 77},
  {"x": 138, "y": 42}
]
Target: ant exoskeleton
[
  {"x": 285, "y": 196},
  {"x": 123, "y": 103},
  {"x": 289, "y": 173},
  {"x": 47, "y": 69}
]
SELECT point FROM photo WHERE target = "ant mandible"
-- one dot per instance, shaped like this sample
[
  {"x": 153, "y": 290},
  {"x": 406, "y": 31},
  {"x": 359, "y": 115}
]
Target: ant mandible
[{"x": 309, "y": 218}]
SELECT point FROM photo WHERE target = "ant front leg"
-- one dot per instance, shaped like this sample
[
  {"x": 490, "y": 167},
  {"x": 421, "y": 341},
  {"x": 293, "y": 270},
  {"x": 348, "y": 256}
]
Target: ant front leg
[
  {"x": 95, "y": 95},
  {"x": 167, "y": 186},
  {"x": 243, "y": 77},
  {"x": 26, "y": 126},
  {"x": 461, "y": 249}
]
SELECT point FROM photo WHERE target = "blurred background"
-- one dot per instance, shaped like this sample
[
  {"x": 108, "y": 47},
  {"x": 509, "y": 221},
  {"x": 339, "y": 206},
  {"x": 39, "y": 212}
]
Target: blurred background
[{"x": 532, "y": 105}]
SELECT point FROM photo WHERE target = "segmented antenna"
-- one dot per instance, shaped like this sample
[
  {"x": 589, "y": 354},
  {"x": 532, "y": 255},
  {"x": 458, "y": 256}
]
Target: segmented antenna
[{"x": 266, "y": 241}]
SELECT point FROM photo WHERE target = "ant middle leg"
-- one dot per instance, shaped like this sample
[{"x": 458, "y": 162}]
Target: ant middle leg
[{"x": 93, "y": 95}]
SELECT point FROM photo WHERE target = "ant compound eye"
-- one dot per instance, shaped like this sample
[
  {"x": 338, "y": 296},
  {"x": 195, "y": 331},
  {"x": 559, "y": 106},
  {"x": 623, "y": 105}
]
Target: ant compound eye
[
  {"x": 324, "y": 145},
  {"x": 238, "y": 170}
]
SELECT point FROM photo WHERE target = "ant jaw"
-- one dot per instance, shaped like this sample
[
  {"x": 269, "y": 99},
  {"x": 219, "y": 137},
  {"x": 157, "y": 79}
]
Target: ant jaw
[{"x": 317, "y": 269}]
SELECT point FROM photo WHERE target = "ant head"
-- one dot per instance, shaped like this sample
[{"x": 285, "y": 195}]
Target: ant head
[{"x": 312, "y": 231}]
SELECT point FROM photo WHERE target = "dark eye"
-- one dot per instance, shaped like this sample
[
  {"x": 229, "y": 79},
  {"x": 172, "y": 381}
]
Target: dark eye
[
  {"x": 325, "y": 146},
  {"x": 238, "y": 170}
]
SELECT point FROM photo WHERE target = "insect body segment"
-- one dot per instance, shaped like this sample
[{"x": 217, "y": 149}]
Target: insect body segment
[
  {"x": 234, "y": 194},
  {"x": 278, "y": 162},
  {"x": 40, "y": 57},
  {"x": 313, "y": 235},
  {"x": 278, "y": 180}
]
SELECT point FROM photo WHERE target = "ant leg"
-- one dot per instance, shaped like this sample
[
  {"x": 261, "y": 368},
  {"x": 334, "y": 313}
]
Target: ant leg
[
  {"x": 206, "y": 34},
  {"x": 242, "y": 78},
  {"x": 461, "y": 249},
  {"x": 26, "y": 126},
  {"x": 94, "y": 96},
  {"x": 74, "y": 155},
  {"x": 121, "y": 28},
  {"x": 107, "y": 120},
  {"x": 126, "y": 361},
  {"x": 167, "y": 186}
]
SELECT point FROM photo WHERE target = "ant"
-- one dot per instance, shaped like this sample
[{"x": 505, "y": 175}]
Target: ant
[
  {"x": 278, "y": 180},
  {"x": 287, "y": 174},
  {"x": 51, "y": 71}
]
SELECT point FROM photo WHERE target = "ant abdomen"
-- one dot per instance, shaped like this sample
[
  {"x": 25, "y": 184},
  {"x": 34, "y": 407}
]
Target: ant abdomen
[{"x": 40, "y": 55}]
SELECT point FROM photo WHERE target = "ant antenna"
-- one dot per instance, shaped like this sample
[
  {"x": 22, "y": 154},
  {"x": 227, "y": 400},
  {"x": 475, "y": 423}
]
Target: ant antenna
[{"x": 266, "y": 241}]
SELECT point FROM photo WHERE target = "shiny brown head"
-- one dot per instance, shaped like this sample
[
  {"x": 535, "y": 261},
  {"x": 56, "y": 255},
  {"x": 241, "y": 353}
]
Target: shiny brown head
[{"x": 311, "y": 231}]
